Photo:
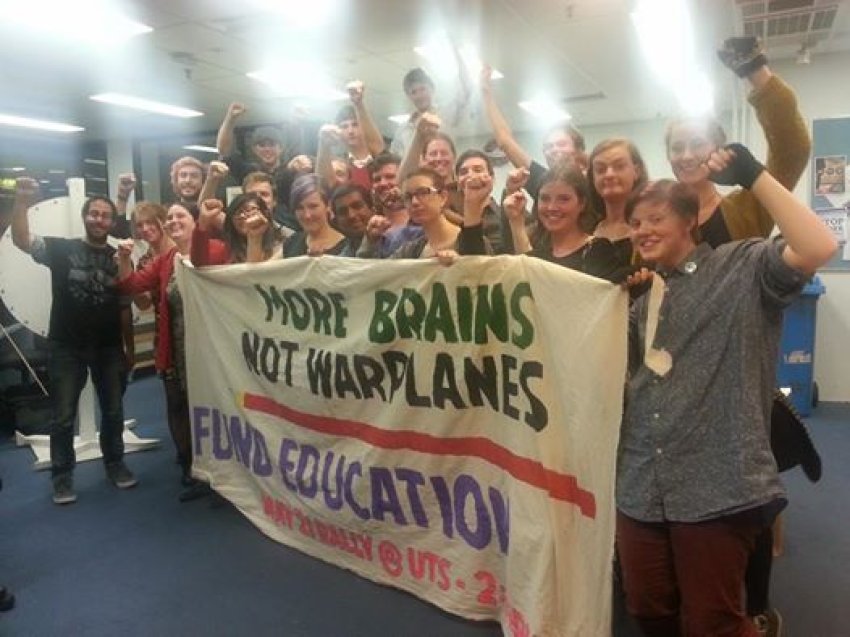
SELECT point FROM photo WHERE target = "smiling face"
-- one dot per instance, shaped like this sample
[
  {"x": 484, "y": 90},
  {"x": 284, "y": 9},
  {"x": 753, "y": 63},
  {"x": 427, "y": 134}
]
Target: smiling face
[
  {"x": 425, "y": 203},
  {"x": 188, "y": 183},
  {"x": 352, "y": 214},
  {"x": 688, "y": 148},
  {"x": 179, "y": 224},
  {"x": 558, "y": 148},
  {"x": 660, "y": 235},
  {"x": 385, "y": 188},
  {"x": 440, "y": 157},
  {"x": 614, "y": 173},
  {"x": 149, "y": 230},
  {"x": 313, "y": 213},
  {"x": 98, "y": 221},
  {"x": 268, "y": 151},
  {"x": 559, "y": 207}
]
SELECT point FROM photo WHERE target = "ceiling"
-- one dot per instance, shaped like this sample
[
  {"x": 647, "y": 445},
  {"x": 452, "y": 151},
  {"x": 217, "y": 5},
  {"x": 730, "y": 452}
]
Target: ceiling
[{"x": 200, "y": 51}]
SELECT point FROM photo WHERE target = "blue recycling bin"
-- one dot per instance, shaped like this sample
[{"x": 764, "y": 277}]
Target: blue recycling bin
[{"x": 797, "y": 350}]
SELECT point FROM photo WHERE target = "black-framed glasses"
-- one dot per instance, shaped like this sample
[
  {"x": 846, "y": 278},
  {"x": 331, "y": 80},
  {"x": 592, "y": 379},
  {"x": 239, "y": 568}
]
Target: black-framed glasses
[{"x": 419, "y": 193}]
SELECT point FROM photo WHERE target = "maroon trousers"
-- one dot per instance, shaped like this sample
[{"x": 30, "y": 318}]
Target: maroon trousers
[{"x": 688, "y": 578}]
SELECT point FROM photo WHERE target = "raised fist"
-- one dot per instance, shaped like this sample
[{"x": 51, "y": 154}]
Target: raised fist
[
  {"x": 428, "y": 124},
  {"x": 476, "y": 187},
  {"x": 355, "y": 92},
  {"x": 218, "y": 170},
  {"x": 486, "y": 77},
  {"x": 125, "y": 248},
  {"x": 256, "y": 225},
  {"x": 126, "y": 183},
  {"x": 377, "y": 227},
  {"x": 211, "y": 211},
  {"x": 26, "y": 189},
  {"x": 330, "y": 134},
  {"x": 300, "y": 164},
  {"x": 236, "y": 110},
  {"x": 517, "y": 179},
  {"x": 514, "y": 206}
]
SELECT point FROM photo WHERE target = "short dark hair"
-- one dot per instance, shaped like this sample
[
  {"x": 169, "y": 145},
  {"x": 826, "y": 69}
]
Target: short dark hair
[
  {"x": 474, "y": 152},
  {"x": 347, "y": 189},
  {"x": 237, "y": 243},
  {"x": 91, "y": 200},
  {"x": 416, "y": 76},
  {"x": 426, "y": 171},
  {"x": 385, "y": 158},
  {"x": 258, "y": 176},
  {"x": 572, "y": 132}
]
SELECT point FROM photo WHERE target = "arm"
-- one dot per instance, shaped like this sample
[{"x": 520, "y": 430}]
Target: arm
[
  {"x": 211, "y": 211},
  {"x": 370, "y": 247},
  {"x": 257, "y": 226},
  {"x": 427, "y": 124},
  {"x": 514, "y": 208},
  {"x": 371, "y": 135},
  {"x": 809, "y": 243},
  {"x": 328, "y": 136},
  {"x": 215, "y": 176},
  {"x": 501, "y": 129},
  {"x": 224, "y": 139},
  {"x": 126, "y": 185},
  {"x": 26, "y": 191},
  {"x": 464, "y": 92}
]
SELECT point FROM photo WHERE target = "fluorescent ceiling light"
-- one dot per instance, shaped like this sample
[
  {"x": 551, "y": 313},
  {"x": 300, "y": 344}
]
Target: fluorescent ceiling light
[
  {"x": 27, "y": 122},
  {"x": 401, "y": 118},
  {"x": 319, "y": 12},
  {"x": 18, "y": 169},
  {"x": 142, "y": 104},
  {"x": 202, "y": 149},
  {"x": 546, "y": 110},
  {"x": 96, "y": 23},
  {"x": 666, "y": 36},
  {"x": 305, "y": 80}
]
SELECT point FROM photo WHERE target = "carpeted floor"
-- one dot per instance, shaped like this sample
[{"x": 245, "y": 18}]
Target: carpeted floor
[{"x": 140, "y": 563}]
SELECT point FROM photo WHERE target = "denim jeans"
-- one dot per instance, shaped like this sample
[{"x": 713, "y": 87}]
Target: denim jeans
[{"x": 68, "y": 367}]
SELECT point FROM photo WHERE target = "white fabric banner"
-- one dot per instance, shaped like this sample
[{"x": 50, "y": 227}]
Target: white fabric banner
[{"x": 451, "y": 431}]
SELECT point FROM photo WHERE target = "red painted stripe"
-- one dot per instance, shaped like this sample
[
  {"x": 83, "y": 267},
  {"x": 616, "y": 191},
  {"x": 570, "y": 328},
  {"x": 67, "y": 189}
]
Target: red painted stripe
[{"x": 560, "y": 486}]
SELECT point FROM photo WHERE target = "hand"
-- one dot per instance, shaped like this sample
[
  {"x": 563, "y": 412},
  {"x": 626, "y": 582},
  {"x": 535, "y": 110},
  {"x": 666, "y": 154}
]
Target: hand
[
  {"x": 742, "y": 55},
  {"x": 236, "y": 110},
  {"x": 517, "y": 179},
  {"x": 26, "y": 190},
  {"x": 125, "y": 248},
  {"x": 126, "y": 184},
  {"x": 514, "y": 207},
  {"x": 639, "y": 278},
  {"x": 218, "y": 170},
  {"x": 446, "y": 257},
  {"x": 734, "y": 165},
  {"x": 376, "y": 227},
  {"x": 211, "y": 210},
  {"x": 476, "y": 189},
  {"x": 300, "y": 164},
  {"x": 256, "y": 225},
  {"x": 428, "y": 124},
  {"x": 355, "y": 92},
  {"x": 330, "y": 134},
  {"x": 486, "y": 78}
]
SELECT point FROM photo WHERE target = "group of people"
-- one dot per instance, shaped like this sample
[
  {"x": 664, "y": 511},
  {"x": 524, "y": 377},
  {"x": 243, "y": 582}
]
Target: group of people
[{"x": 697, "y": 484}]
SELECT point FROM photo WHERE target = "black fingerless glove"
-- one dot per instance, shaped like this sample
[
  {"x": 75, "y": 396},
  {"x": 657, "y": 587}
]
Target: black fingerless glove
[
  {"x": 743, "y": 170},
  {"x": 742, "y": 55}
]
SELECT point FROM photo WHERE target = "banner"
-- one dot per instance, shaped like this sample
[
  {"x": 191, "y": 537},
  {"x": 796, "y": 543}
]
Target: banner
[{"x": 448, "y": 430}]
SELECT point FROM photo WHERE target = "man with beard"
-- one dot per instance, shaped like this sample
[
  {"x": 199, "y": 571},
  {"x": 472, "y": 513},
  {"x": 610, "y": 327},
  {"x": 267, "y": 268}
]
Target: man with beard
[
  {"x": 352, "y": 207},
  {"x": 392, "y": 222},
  {"x": 187, "y": 179},
  {"x": 85, "y": 334}
]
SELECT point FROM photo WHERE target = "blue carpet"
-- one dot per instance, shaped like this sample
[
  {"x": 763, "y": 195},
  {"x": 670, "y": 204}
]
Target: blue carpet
[{"x": 140, "y": 563}]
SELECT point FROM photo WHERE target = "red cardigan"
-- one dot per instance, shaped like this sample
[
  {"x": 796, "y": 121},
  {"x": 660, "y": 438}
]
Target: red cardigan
[
  {"x": 208, "y": 251},
  {"x": 154, "y": 278}
]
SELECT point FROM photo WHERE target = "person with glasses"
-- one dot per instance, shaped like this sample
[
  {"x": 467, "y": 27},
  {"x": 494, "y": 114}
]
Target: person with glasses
[
  {"x": 248, "y": 234},
  {"x": 424, "y": 193},
  {"x": 314, "y": 213}
]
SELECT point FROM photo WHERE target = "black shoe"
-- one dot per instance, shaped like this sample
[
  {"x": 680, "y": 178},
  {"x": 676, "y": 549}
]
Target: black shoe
[
  {"x": 120, "y": 475},
  {"x": 196, "y": 491},
  {"x": 7, "y": 600},
  {"x": 63, "y": 489}
]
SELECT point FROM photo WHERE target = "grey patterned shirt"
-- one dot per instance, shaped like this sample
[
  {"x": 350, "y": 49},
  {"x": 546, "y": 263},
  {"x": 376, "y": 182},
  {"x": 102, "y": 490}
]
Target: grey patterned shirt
[{"x": 694, "y": 443}]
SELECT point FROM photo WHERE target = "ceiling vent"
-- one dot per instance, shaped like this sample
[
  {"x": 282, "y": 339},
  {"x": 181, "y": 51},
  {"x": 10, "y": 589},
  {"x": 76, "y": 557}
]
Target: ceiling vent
[{"x": 780, "y": 22}]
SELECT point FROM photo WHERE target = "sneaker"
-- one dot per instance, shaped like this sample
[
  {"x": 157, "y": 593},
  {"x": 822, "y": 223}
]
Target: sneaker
[
  {"x": 197, "y": 490},
  {"x": 63, "y": 490},
  {"x": 769, "y": 624},
  {"x": 120, "y": 475}
]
